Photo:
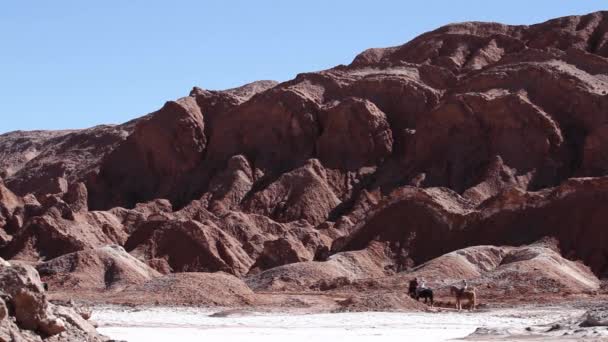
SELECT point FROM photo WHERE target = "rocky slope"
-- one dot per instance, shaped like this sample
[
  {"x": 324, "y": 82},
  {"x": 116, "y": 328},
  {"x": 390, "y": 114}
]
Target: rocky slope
[
  {"x": 472, "y": 134},
  {"x": 43, "y": 162}
]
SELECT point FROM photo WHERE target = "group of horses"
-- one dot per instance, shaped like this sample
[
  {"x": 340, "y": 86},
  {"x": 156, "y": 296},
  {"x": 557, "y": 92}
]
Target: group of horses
[{"x": 460, "y": 294}]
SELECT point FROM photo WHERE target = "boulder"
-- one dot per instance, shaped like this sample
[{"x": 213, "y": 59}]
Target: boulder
[
  {"x": 32, "y": 313},
  {"x": 32, "y": 317},
  {"x": 595, "y": 318}
]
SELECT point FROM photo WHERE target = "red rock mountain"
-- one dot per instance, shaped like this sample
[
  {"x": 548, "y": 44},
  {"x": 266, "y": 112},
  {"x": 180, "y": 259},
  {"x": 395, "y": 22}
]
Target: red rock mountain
[{"x": 472, "y": 134}]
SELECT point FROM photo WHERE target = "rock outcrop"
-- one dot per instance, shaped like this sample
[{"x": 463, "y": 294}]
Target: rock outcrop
[
  {"x": 189, "y": 246},
  {"x": 532, "y": 270},
  {"x": 431, "y": 222},
  {"x": 37, "y": 161},
  {"x": 355, "y": 134},
  {"x": 53, "y": 234},
  {"x": 373, "y": 262},
  {"x": 26, "y": 315},
  {"x": 300, "y": 194},
  {"x": 154, "y": 160},
  {"x": 192, "y": 288},
  {"x": 102, "y": 268},
  {"x": 11, "y": 210}
]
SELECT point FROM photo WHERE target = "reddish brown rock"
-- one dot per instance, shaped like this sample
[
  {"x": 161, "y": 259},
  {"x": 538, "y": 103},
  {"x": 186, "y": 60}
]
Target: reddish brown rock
[
  {"x": 131, "y": 218},
  {"x": 216, "y": 104},
  {"x": 461, "y": 137},
  {"x": 276, "y": 130},
  {"x": 253, "y": 233},
  {"x": 430, "y": 222},
  {"x": 280, "y": 252},
  {"x": 189, "y": 246},
  {"x": 230, "y": 186},
  {"x": 496, "y": 178},
  {"x": 33, "y": 158},
  {"x": 510, "y": 269},
  {"x": 400, "y": 91},
  {"x": 454, "y": 142},
  {"x": 103, "y": 268},
  {"x": 9, "y": 200},
  {"x": 77, "y": 197},
  {"x": 5, "y": 238},
  {"x": 303, "y": 193},
  {"x": 372, "y": 262},
  {"x": 11, "y": 210},
  {"x": 192, "y": 288},
  {"x": 152, "y": 162},
  {"x": 53, "y": 186},
  {"x": 53, "y": 234},
  {"x": 381, "y": 302},
  {"x": 32, "y": 317},
  {"x": 355, "y": 134},
  {"x": 160, "y": 265},
  {"x": 498, "y": 273}
]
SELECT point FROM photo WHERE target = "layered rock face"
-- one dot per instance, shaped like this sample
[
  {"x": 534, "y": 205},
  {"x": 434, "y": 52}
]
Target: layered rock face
[
  {"x": 43, "y": 162},
  {"x": 102, "y": 268},
  {"x": 443, "y": 221},
  {"x": 472, "y": 134}
]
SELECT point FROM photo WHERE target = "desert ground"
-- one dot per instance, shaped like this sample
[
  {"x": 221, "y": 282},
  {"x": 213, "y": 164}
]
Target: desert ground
[{"x": 522, "y": 323}]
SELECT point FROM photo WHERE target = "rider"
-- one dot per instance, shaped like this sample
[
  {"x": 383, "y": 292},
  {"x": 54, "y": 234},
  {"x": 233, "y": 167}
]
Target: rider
[
  {"x": 465, "y": 285},
  {"x": 413, "y": 287}
]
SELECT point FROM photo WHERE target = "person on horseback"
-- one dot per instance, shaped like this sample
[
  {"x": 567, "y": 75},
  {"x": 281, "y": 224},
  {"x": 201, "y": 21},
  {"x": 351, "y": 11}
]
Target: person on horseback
[
  {"x": 422, "y": 285},
  {"x": 413, "y": 287},
  {"x": 417, "y": 289},
  {"x": 465, "y": 292}
]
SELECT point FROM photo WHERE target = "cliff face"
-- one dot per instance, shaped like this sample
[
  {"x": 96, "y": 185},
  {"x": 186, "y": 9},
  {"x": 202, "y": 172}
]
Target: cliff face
[{"x": 475, "y": 133}]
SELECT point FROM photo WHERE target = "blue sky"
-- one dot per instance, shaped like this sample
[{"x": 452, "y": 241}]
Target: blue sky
[{"x": 75, "y": 64}]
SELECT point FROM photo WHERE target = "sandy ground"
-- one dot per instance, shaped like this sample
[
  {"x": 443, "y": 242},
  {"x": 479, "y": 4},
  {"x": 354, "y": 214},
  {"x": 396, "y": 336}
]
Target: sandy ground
[{"x": 192, "y": 324}]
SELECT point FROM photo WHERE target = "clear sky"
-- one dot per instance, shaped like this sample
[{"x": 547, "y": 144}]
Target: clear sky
[{"x": 75, "y": 64}]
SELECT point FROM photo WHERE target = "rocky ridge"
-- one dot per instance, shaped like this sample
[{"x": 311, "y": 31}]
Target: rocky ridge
[{"x": 473, "y": 134}]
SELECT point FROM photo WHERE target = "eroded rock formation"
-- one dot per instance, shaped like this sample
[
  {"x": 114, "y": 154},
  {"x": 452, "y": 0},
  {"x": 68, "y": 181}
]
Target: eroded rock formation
[{"x": 472, "y": 134}]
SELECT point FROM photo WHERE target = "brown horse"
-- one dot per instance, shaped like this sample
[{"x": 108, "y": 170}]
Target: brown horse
[{"x": 464, "y": 294}]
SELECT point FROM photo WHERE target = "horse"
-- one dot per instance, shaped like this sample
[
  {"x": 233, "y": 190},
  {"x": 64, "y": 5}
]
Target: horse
[
  {"x": 464, "y": 294},
  {"x": 425, "y": 293},
  {"x": 415, "y": 291}
]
